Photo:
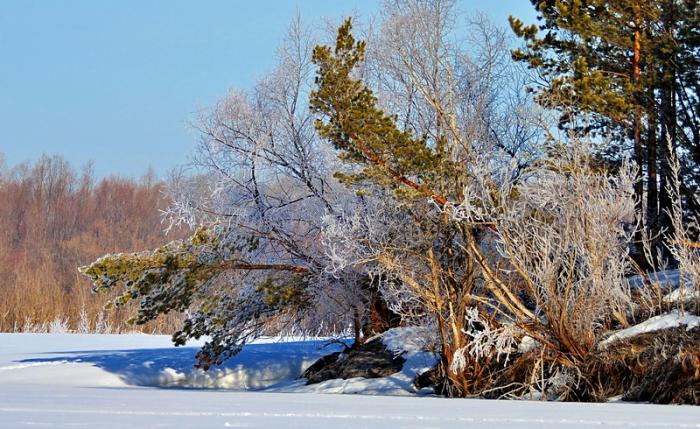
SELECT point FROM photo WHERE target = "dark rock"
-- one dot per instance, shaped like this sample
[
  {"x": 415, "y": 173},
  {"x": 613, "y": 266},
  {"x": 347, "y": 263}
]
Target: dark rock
[
  {"x": 321, "y": 365},
  {"x": 429, "y": 378},
  {"x": 368, "y": 360}
]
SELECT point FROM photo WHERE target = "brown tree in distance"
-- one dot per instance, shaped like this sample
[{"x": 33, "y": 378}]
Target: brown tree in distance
[{"x": 54, "y": 219}]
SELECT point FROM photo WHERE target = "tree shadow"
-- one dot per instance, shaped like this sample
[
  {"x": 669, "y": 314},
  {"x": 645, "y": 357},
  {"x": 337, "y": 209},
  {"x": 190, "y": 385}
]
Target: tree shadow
[{"x": 257, "y": 366}]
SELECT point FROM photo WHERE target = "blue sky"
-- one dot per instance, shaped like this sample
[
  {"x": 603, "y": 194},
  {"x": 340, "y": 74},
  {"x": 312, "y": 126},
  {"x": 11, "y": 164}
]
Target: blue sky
[{"x": 117, "y": 82}]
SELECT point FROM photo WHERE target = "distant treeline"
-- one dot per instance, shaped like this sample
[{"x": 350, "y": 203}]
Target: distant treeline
[{"x": 53, "y": 219}]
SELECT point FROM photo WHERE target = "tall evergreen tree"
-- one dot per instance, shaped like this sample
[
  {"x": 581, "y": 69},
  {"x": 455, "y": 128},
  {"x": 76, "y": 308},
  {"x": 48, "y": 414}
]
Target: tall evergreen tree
[{"x": 620, "y": 69}]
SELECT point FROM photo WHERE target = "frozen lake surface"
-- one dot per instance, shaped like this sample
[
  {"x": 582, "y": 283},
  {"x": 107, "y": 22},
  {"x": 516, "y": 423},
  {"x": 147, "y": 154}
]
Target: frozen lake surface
[{"x": 140, "y": 381}]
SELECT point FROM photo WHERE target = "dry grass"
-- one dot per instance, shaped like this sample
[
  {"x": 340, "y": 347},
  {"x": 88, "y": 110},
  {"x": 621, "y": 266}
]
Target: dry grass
[{"x": 659, "y": 367}]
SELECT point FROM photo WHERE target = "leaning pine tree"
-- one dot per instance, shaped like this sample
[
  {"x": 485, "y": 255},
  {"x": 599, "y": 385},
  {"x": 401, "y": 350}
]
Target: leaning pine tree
[
  {"x": 255, "y": 264},
  {"x": 505, "y": 253}
]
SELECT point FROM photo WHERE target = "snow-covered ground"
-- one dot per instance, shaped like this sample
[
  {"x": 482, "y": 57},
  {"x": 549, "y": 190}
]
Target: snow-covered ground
[
  {"x": 109, "y": 381},
  {"x": 670, "y": 280},
  {"x": 672, "y": 319}
]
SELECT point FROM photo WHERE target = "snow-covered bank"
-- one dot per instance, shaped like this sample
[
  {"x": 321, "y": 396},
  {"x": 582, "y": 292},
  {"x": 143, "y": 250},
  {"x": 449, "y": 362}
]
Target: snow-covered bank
[
  {"x": 673, "y": 319},
  {"x": 63, "y": 381}
]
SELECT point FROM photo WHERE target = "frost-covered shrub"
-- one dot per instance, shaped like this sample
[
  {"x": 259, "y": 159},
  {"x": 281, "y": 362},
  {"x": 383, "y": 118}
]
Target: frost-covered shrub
[
  {"x": 59, "y": 326},
  {"x": 684, "y": 250},
  {"x": 31, "y": 326},
  {"x": 566, "y": 234},
  {"x": 83, "y": 322},
  {"x": 102, "y": 325}
]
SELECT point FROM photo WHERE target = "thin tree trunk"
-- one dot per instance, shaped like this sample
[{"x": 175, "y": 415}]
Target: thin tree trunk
[
  {"x": 357, "y": 328},
  {"x": 652, "y": 217},
  {"x": 639, "y": 154},
  {"x": 668, "y": 130}
]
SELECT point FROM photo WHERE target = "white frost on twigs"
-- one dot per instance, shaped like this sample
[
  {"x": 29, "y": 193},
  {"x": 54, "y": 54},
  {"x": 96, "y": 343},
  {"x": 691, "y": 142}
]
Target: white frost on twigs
[{"x": 485, "y": 341}]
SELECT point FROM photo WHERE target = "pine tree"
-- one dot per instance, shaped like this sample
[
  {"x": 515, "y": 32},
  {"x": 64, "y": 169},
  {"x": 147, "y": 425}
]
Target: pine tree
[
  {"x": 624, "y": 65},
  {"x": 357, "y": 127}
]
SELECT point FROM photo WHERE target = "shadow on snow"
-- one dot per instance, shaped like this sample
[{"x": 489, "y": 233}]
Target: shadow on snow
[{"x": 257, "y": 366}]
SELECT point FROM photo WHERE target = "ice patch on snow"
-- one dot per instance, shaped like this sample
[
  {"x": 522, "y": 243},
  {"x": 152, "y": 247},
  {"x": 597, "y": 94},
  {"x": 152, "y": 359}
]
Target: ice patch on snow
[
  {"x": 673, "y": 319},
  {"x": 258, "y": 366}
]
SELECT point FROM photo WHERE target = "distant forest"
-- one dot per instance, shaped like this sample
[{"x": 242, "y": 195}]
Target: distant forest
[{"x": 54, "y": 218}]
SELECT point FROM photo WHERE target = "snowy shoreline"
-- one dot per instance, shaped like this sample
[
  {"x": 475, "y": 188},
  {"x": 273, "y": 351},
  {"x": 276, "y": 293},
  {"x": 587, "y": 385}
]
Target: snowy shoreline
[{"x": 65, "y": 380}]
